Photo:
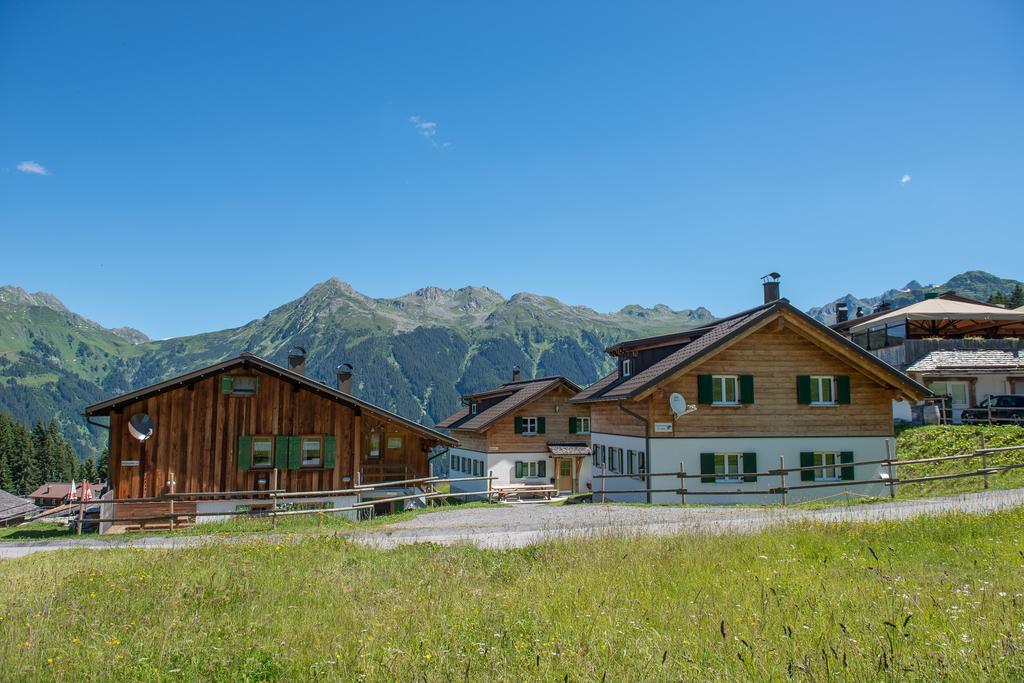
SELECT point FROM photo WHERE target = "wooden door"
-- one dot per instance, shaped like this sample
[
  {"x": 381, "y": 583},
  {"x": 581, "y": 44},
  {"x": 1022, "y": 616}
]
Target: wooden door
[{"x": 565, "y": 474}]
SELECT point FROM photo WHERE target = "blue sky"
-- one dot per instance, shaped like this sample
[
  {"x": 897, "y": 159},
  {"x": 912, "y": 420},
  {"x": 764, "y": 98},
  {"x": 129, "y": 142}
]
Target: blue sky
[{"x": 206, "y": 162}]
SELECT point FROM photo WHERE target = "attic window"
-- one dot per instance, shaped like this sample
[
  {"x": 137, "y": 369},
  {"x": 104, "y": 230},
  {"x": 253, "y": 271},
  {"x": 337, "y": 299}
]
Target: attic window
[
  {"x": 472, "y": 408},
  {"x": 627, "y": 367},
  {"x": 239, "y": 386}
]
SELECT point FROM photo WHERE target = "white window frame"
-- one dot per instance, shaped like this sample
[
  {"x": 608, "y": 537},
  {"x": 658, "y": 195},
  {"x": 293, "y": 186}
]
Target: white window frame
[
  {"x": 312, "y": 462},
  {"x": 818, "y": 381},
  {"x": 527, "y": 431},
  {"x": 627, "y": 367},
  {"x": 829, "y": 464},
  {"x": 269, "y": 464},
  {"x": 720, "y": 382},
  {"x": 582, "y": 425},
  {"x": 727, "y": 477},
  {"x": 472, "y": 408}
]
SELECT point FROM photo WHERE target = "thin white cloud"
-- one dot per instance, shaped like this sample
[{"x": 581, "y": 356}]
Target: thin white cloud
[
  {"x": 428, "y": 129},
  {"x": 904, "y": 179},
  {"x": 32, "y": 167}
]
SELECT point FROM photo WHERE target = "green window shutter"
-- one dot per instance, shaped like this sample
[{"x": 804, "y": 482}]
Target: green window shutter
[
  {"x": 330, "y": 447},
  {"x": 750, "y": 467},
  {"x": 803, "y": 390},
  {"x": 519, "y": 469},
  {"x": 294, "y": 452},
  {"x": 705, "y": 396},
  {"x": 843, "y": 389},
  {"x": 281, "y": 452},
  {"x": 707, "y": 467},
  {"x": 244, "y": 452},
  {"x": 846, "y": 473},
  {"x": 227, "y": 384},
  {"x": 573, "y": 425},
  {"x": 746, "y": 388},
  {"x": 257, "y": 384},
  {"x": 540, "y": 425},
  {"x": 542, "y": 468},
  {"x": 807, "y": 460},
  {"x": 519, "y": 427}
]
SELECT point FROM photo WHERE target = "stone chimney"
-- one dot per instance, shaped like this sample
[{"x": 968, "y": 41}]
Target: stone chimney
[
  {"x": 345, "y": 378},
  {"x": 842, "y": 313},
  {"x": 770, "y": 282},
  {"x": 515, "y": 374},
  {"x": 297, "y": 360}
]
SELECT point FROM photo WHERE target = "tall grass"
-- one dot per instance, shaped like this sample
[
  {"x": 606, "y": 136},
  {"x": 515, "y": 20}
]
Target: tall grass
[{"x": 926, "y": 599}]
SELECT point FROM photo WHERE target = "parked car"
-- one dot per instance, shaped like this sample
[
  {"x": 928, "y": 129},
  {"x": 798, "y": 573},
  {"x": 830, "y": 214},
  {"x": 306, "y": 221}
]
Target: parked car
[{"x": 1004, "y": 409}]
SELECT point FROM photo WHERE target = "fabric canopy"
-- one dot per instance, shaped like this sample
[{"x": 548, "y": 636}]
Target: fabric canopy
[{"x": 942, "y": 309}]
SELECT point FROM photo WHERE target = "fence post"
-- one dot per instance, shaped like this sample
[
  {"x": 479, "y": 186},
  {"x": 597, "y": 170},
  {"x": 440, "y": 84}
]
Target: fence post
[
  {"x": 171, "y": 519},
  {"x": 984, "y": 456},
  {"x": 604, "y": 473},
  {"x": 682, "y": 483},
  {"x": 490, "y": 480},
  {"x": 782, "y": 477},
  {"x": 273, "y": 498},
  {"x": 892, "y": 470}
]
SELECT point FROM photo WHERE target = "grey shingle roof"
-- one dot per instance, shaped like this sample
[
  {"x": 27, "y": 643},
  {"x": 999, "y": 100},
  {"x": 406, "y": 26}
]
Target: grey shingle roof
[
  {"x": 969, "y": 360},
  {"x": 12, "y": 507}
]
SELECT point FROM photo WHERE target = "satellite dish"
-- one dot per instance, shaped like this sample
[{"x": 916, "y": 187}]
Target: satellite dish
[
  {"x": 140, "y": 425},
  {"x": 677, "y": 402}
]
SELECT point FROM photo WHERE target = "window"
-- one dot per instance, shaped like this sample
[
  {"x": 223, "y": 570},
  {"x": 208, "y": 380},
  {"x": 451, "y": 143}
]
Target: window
[
  {"x": 582, "y": 425},
  {"x": 823, "y": 391},
  {"x": 374, "y": 445},
  {"x": 599, "y": 455},
  {"x": 529, "y": 426},
  {"x": 564, "y": 468},
  {"x": 725, "y": 390},
  {"x": 312, "y": 451},
  {"x": 262, "y": 451},
  {"x": 829, "y": 464},
  {"x": 627, "y": 367},
  {"x": 239, "y": 386},
  {"x": 394, "y": 443},
  {"x": 727, "y": 467},
  {"x": 630, "y": 458},
  {"x": 957, "y": 391},
  {"x": 530, "y": 470},
  {"x": 642, "y": 459},
  {"x": 472, "y": 408},
  {"x": 620, "y": 463}
]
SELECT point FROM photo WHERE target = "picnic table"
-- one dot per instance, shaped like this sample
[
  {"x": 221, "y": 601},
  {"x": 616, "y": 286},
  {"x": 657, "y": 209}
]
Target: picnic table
[{"x": 519, "y": 491}]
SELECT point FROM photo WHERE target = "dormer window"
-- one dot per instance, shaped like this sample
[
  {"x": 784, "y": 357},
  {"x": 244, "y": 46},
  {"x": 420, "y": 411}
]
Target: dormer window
[
  {"x": 627, "y": 367},
  {"x": 472, "y": 408}
]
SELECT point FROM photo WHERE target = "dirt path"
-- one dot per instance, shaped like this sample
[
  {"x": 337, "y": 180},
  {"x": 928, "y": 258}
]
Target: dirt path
[{"x": 505, "y": 526}]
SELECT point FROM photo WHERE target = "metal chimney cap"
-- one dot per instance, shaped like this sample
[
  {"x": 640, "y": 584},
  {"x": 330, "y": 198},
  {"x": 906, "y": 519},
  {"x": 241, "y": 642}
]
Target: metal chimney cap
[{"x": 345, "y": 367}]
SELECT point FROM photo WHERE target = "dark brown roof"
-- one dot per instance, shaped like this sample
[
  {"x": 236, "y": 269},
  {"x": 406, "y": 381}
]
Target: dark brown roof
[
  {"x": 60, "y": 490},
  {"x": 250, "y": 360},
  {"x": 716, "y": 336},
  {"x": 521, "y": 393}
]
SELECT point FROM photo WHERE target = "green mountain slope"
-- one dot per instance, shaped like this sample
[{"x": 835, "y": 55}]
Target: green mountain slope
[{"x": 414, "y": 354}]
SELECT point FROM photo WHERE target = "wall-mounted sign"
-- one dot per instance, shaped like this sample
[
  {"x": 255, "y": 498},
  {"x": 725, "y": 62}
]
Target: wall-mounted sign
[
  {"x": 663, "y": 426},
  {"x": 129, "y": 463}
]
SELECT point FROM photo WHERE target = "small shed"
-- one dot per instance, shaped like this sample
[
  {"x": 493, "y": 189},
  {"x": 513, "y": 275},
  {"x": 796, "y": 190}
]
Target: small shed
[{"x": 14, "y": 510}]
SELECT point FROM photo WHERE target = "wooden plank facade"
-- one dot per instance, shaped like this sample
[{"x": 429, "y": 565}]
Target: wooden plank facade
[{"x": 203, "y": 435}]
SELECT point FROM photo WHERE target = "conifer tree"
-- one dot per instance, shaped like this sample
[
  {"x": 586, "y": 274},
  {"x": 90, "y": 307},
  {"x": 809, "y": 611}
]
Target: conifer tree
[
  {"x": 1017, "y": 297},
  {"x": 87, "y": 470},
  {"x": 6, "y": 453},
  {"x": 24, "y": 471}
]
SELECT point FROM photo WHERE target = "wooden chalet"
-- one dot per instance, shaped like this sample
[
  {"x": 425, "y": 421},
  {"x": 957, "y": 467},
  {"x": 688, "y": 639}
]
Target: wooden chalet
[
  {"x": 247, "y": 424},
  {"x": 762, "y": 384},
  {"x": 524, "y": 432}
]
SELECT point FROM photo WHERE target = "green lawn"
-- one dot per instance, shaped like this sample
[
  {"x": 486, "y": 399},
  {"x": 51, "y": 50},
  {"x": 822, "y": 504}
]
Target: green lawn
[
  {"x": 925, "y": 600},
  {"x": 33, "y": 531}
]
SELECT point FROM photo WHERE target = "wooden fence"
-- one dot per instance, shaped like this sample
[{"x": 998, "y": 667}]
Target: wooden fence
[
  {"x": 269, "y": 502},
  {"x": 887, "y": 477}
]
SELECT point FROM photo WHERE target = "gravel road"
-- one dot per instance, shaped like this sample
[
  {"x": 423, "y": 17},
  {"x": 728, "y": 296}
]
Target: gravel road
[{"x": 516, "y": 525}]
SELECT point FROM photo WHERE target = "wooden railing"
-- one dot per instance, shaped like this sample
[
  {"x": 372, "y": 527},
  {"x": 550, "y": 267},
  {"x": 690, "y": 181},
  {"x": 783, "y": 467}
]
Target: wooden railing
[
  {"x": 887, "y": 476},
  {"x": 270, "y": 502}
]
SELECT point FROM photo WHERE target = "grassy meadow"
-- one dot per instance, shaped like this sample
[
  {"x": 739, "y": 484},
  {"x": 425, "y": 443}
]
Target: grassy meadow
[{"x": 920, "y": 600}]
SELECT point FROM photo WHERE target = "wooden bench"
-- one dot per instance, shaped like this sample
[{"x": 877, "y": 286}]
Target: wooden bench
[{"x": 518, "y": 491}]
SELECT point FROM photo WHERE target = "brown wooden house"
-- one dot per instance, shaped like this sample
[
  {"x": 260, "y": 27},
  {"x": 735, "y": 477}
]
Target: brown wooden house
[
  {"x": 522, "y": 432},
  {"x": 246, "y": 423}
]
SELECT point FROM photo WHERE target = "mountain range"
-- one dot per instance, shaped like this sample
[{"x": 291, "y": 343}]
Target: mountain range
[{"x": 414, "y": 354}]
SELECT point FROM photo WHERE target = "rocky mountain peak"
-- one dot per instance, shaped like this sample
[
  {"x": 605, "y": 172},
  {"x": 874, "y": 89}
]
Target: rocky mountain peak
[{"x": 17, "y": 296}]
